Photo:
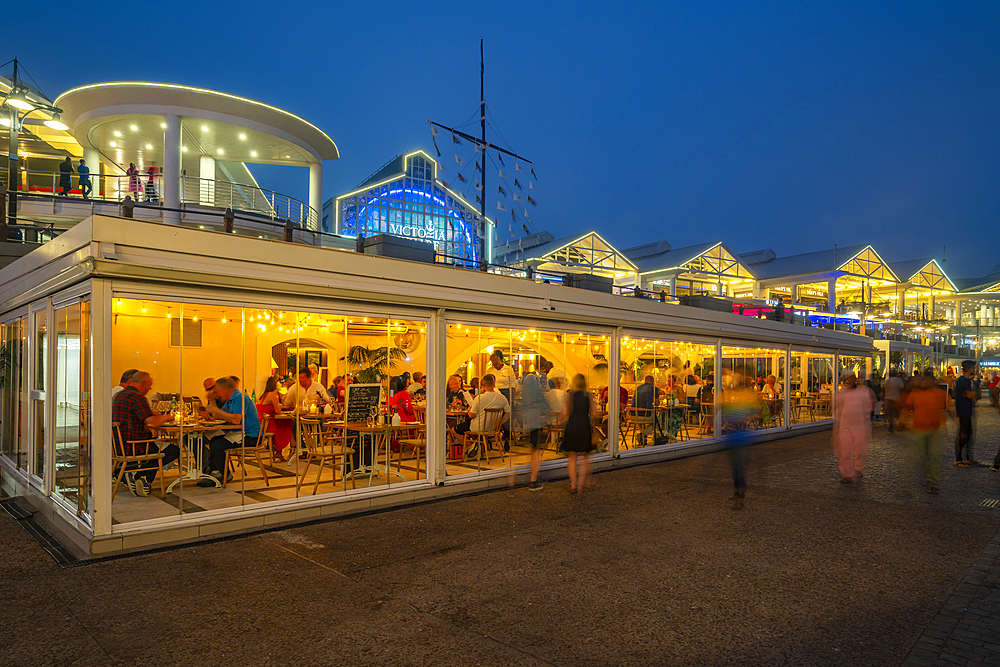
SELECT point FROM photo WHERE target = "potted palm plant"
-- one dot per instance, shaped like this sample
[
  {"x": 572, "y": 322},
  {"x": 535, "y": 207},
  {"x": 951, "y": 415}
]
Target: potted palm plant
[{"x": 373, "y": 364}]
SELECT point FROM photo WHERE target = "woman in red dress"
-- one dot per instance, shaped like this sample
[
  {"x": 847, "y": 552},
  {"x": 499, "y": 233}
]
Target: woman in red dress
[{"x": 283, "y": 429}]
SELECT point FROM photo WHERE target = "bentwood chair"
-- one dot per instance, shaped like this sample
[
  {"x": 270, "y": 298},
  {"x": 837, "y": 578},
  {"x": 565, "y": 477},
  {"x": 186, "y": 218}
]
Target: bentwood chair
[
  {"x": 416, "y": 442},
  {"x": 707, "y": 422},
  {"x": 639, "y": 420},
  {"x": 147, "y": 460},
  {"x": 239, "y": 455},
  {"x": 321, "y": 448},
  {"x": 490, "y": 433}
]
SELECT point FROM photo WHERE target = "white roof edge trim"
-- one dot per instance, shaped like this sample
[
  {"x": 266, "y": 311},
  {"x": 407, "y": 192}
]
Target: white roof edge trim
[{"x": 193, "y": 89}]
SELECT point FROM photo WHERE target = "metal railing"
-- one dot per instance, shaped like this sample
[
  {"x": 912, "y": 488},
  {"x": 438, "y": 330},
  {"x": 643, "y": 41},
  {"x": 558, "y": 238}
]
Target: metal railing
[{"x": 148, "y": 189}]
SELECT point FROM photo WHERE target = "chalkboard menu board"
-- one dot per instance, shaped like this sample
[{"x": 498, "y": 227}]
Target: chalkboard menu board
[{"x": 361, "y": 400}]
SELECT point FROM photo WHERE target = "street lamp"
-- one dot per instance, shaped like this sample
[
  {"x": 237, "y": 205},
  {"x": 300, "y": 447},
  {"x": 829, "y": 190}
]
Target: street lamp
[{"x": 17, "y": 101}]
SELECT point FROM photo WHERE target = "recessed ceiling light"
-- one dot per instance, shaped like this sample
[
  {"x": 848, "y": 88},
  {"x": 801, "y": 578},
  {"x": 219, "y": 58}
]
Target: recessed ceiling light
[
  {"x": 134, "y": 128},
  {"x": 117, "y": 133},
  {"x": 253, "y": 153},
  {"x": 149, "y": 147},
  {"x": 204, "y": 128},
  {"x": 288, "y": 156},
  {"x": 113, "y": 144},
  {"x": 184, "y": 148},
  {"x": 220, "y": 151},
  {"x": 243, "y": 136},
  {"x": 163, "y": 125}
]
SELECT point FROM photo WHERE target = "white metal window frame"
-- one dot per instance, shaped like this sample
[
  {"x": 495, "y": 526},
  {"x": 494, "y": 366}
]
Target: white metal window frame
[
  {"x": 548, "y": 326},
  {"x": 247, "y": 300},
  {"x": 21, "y": 313}
]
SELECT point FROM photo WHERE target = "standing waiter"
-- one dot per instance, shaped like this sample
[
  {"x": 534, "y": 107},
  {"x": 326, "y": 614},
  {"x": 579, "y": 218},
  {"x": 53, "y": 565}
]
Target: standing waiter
[{"x": 504, "y": 381}]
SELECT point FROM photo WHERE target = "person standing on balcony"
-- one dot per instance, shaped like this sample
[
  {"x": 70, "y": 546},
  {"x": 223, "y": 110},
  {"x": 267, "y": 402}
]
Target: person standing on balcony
[
  {"x": 133, "y": 180},
  {"x": 151, "y": 195},
  {"x": 85, "y": 187},
  {"x": 66, "y": 176}
]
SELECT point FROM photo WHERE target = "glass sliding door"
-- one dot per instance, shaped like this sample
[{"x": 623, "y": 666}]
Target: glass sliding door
[
  {"x": 39, "y": 385},
  {"x": 12, "y": 392},
  {"x": 71, "y": 434}
]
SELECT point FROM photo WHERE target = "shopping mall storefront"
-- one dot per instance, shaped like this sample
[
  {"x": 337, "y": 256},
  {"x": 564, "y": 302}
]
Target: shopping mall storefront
[{"x": 184, "y": 305}]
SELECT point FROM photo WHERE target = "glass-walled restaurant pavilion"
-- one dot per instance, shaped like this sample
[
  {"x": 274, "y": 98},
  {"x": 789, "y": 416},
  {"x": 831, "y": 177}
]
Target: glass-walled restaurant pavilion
[{"x": 186, "y": 306}]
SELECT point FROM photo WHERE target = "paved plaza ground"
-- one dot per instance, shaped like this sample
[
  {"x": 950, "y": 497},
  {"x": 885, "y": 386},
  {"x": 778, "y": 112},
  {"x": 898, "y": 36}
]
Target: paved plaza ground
[{"x": 650, "y": 568}]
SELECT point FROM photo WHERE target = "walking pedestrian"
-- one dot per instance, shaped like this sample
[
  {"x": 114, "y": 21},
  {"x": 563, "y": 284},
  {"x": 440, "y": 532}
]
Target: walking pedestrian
[
  {"x": 927, "y": 405},
  {"x": 741, "y": 406},
  {"x": 852, "y": 428},
  {"x": 531, "y": 414},
  {"x": 893, "y": 388},
  {"x": 965, "y": 396},
  {"x": 66, "y": 176},
  {"x": 578, "y": 407},
  {"x": 85, "y": 187}
]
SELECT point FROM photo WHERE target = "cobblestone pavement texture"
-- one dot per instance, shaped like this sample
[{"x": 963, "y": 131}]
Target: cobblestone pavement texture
[{"x": 650, "y": 568}]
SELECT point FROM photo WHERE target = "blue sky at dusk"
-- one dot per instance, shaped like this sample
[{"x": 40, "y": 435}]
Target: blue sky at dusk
[{"x": 792, "y": 125}]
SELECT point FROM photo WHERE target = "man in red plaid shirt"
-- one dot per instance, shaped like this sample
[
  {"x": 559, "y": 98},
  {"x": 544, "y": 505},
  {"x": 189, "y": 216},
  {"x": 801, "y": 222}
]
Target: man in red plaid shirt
[{"x": 134, "y": 416}]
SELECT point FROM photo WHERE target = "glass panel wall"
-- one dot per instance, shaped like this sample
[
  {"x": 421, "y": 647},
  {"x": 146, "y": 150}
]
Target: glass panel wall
[
  {"x": 668, "y": 391},
  {"x": 812, "y": 379},
  {"x": 298, "y": 373},
  {"x": 13, "y": 393},
  {"x": 533, "y": 374},
  {"x": 71, "y": 404},
  {"x": 764, "y": 369},
  {"x": 39, "y": 381}
]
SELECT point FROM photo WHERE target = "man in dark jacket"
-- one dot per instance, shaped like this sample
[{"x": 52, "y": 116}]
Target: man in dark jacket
[{"x": 66, "y": 176}]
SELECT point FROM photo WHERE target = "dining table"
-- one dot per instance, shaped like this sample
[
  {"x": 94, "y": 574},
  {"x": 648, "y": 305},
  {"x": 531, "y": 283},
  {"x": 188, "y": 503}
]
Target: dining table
[
  {"x": 197, "y": 429},
  {"x": 381, "y": 437}
]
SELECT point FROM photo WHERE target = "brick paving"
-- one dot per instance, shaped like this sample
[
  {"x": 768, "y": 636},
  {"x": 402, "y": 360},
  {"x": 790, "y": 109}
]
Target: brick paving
[{"x": 651, "y": 568}]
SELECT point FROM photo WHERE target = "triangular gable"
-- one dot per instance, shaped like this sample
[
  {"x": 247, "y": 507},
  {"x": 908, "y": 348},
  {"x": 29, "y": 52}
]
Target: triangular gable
[
  {"x": 718, "y": 260},
  {"x": 592, "y": 251},
  {"x": 932, "y": 276},
  {"x": 868, "y": 264},
  {"x": 992, "y": 288}
]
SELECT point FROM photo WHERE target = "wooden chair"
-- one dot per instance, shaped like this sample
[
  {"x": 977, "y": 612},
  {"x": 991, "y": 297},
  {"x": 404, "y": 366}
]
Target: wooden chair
[
  {"x": 316, "y": 441},
  {"x": 417, "y": 443},
  {"x": 555, "y": 430},
  {"x": 639, "y": 419},
  {"x": 707, "y": 421},
  {"x": 119, "y": 459},
  {"x": 241, "y": 454},
  {"x": 492, "y": 420}
]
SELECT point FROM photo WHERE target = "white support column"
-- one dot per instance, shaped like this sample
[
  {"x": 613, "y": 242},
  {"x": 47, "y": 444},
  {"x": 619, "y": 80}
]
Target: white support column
[
  {"x": 717, "y": 412},
  {"x": 931, "y": 317},
  {"x": 101, "y": 375},
  {"x": 92, "y": 157},
  {"x": 831, "y": 295},
  {"x": 756, "y": 289},
  {"x": 172, "y": 168},
  {"x": 315, "y": 195},
  {"x": 958, "y": 312},
  {"x": 795, "y": 293},
  {"x": 673, "y": 285},
  {"x": 788, "y": 388},
  {"x": 614, "y": 388},
  {"x": 437, "y": 382},
  {"x": 206, "y": 173}
]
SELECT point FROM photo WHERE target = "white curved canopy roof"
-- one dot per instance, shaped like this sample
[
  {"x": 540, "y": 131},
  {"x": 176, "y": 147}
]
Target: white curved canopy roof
[{"x": 213, "y": 122}]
